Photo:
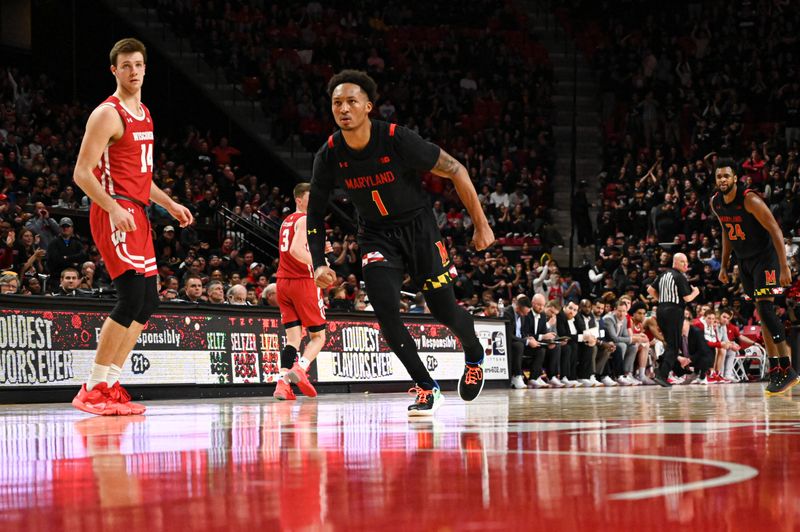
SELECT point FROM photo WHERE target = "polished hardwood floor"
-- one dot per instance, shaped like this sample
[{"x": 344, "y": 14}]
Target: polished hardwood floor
[{"x": 718, "y": 457}]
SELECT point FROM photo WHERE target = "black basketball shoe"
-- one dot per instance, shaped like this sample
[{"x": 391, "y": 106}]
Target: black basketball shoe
[
  {"x": 781, "y": 380},
  {"x": 471, "y": 383},
  {"x": 426, "y": 403},
  {"x": 661, "y": 381}
]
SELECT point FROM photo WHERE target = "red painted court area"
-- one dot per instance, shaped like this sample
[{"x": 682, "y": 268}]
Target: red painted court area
[{"x": 719, "y": 458}]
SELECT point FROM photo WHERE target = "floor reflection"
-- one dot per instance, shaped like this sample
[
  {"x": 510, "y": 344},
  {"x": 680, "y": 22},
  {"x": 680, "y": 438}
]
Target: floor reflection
[{"x": 534, "y": 459}]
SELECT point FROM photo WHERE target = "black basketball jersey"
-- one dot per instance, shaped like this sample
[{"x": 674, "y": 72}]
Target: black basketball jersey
[
  {"x": 747, "y": 236},
  {"x": 382, "y": 180}
]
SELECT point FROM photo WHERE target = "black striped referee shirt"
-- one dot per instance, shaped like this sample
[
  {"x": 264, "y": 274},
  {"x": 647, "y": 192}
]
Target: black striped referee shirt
[{"x": 672, "y": 286}]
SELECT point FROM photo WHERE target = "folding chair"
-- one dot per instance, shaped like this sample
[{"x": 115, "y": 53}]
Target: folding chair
[{"x": 753, "y": 352}]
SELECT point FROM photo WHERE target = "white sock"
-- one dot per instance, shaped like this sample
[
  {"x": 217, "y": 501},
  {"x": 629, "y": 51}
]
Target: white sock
[
  {"x": 304, "y": 363},
  {"x": 283, "y": 372},
  {"x": 640, "y": 371},
  {"x": 99, "y": 374},
  {"x": 114, "y": 372}
]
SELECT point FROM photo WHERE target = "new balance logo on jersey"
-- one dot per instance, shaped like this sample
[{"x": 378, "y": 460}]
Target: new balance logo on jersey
[{"x": 343, "y": 164}]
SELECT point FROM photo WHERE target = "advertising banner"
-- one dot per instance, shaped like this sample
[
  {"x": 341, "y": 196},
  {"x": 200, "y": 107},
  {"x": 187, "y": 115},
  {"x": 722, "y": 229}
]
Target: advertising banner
[{"x": 56, "y": 348}]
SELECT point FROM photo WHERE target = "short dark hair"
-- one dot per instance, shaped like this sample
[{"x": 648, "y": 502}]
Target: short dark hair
[
  {"x": 722, "y": 162},
  {"x": 356, "y": 77},
  {"x": 70, "y": 270},
  {"x": 636, "y": 307},
  {"x": 301, "y": 188},
  {"x": 127, "y": 46},
  {"x": 192, "y": 277}
]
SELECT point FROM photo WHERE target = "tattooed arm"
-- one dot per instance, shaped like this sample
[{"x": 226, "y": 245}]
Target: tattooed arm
[{"x": 447, "y": 166}]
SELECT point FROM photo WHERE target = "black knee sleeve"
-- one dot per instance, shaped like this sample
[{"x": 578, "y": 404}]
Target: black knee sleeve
[
  {"x": 151, "y": 300},
  {"x": 766, "y": 310},
  {"x": 288, "y": 356},
  {"x": 444, "y": 308},
  {"x": 130, "y": 298}
]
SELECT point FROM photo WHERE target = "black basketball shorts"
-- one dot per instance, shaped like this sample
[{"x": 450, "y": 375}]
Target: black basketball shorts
[
  {"x": 760, "y": 274},
  {"x": 415, "y": 246}
]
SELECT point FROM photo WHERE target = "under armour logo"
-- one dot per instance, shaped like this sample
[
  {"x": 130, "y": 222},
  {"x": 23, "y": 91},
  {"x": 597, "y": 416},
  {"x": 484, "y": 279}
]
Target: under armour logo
[
  {"x": 343, "y": 164},
  {"x": 384, "y": 160},
  {"x": 312, "y": 231}
]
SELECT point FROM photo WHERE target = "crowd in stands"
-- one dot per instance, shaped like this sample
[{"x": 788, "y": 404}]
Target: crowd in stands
[{"x": 474, "y": 80}]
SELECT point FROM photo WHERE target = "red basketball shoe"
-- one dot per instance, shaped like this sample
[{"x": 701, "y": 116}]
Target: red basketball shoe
[
  {"x": 299, "y": 377},
  {"x": 283, "y": 391},
  {"x": 99, "y": 402},
  {"x": 121, "y": 395}
]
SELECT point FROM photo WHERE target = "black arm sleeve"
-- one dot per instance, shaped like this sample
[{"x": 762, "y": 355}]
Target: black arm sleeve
[
  {"x": 321, "y": 186},
  {"x": 416, "y": 152}
]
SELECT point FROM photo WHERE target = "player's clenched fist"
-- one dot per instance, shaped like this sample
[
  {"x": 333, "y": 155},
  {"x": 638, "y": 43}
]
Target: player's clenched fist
[
  {"x": 483, "y": 237},
  {"x": 324, "y": 276}
]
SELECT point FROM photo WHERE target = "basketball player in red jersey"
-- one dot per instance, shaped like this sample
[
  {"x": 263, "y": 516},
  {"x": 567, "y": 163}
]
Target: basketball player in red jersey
[
  {"x": 299, "y": 300},
  {"x": 115, "y": 169}
]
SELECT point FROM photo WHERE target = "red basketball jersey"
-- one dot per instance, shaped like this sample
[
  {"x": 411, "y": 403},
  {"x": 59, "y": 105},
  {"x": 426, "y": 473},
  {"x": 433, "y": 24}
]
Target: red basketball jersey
[
  {"x": 126, "y": 167},
  {"x": 288, "y": 266}
]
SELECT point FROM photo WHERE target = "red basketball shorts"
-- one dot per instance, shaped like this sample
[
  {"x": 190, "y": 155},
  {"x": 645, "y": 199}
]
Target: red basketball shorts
[
  {"x": 123, "y": 251},
  {"x": 300, "y": 302}
]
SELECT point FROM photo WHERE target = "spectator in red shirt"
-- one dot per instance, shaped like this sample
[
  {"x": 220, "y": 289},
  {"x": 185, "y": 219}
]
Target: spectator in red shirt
[
  {"x": 708, "y": 324},
  {"x": 223, "y": 152},
  {"x": 736, "y": 341},
  {"x": 754, "y": 167}
]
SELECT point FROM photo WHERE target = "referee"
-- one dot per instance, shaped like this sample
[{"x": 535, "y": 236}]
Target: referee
[{"x": 672, "y": 292}]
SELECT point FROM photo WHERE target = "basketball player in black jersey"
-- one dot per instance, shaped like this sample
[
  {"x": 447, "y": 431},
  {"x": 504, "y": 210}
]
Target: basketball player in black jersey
[
  {"x": 379, "y": 164},
  {"x": 751, "y": 232}
]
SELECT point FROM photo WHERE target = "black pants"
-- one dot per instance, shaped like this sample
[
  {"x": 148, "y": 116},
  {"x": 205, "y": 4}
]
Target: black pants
[
  {"x": 552, "y": 361},
  {"x": 670, "y": 320},
  {"x": 516, "y": 348},
  {"x": 536, "y": 356},
  {"x": 569, "y": 360},
  {"x": 586, "y": 361},
  {"x": 703, "y": 361}
]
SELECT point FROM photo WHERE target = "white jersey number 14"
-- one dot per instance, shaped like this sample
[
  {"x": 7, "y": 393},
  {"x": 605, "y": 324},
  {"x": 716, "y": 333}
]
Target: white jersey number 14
[{"x": 147, "y": 158}]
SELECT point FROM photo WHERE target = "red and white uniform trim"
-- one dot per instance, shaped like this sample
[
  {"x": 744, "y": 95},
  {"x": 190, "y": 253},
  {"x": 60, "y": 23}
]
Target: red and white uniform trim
[
  {"x": 299, "y": 299},
  {"x": 125, "y": 170}
]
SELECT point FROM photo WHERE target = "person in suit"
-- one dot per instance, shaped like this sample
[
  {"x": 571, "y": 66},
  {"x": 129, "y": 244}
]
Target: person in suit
[
  {"x": 569, "y": 326},
  {"x": 537, "y": 342},
  {"x": 516, "y": 318},
  {"x": 590, "y": 352},
  {"x": 605, "y": 347},
  {"x": 695, "y": 352},
  {"x": 565, "y": 324},
  {"x": 625, "y": 354},
  {"x": 553, "y": 355}
]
